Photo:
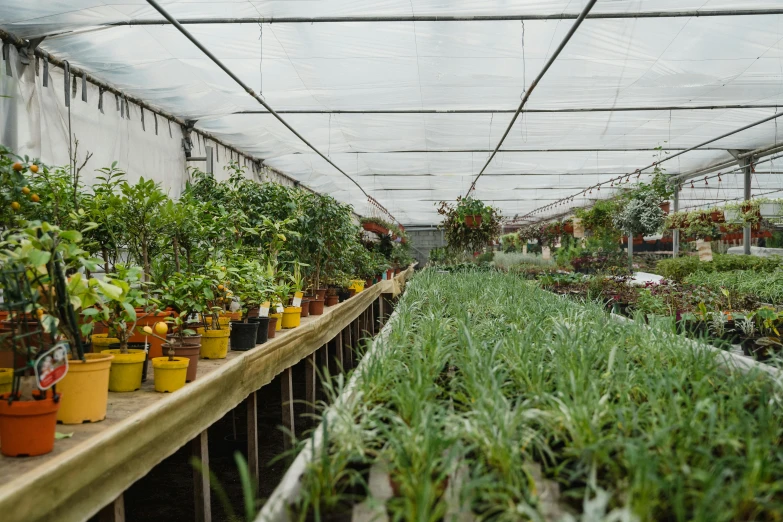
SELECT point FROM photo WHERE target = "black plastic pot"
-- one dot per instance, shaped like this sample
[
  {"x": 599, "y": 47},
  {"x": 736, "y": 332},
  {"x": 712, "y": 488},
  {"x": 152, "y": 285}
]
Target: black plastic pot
[
  {"x": 343, "y": 294},
  {"x": 262, "y": 335},
  {"x": 136, "y": 346},
  {"x": 243, "y": 335}
]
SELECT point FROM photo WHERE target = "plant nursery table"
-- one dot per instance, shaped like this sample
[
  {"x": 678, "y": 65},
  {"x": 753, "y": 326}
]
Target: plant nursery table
[{"x": 101, "y": 460}]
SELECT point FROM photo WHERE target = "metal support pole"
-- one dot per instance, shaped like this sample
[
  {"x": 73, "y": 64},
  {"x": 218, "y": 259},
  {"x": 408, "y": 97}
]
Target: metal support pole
[
  {"x": 630, "y": 251},
  {"x": 210, "y": 159},
  {"x": 745, "y": 163},
  {"x": 676, "y": 232},
  {"x": 199, "y": 448}
]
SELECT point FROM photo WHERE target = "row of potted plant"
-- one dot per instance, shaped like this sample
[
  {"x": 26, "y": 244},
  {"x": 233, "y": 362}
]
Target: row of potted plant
[{"x": 147, "y": 278}]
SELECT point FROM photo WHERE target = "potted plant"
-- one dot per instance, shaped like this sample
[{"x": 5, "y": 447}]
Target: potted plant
[
  {"x": 375, "y": 225},
  {"x": 216, "y": 295},
  {"x": 470, "y": 211},
  {"x": 35, "y": 285},
  {"x": 184, "y": 293},
  {"x": 281, "y": 292},
  {"x": 254, "y": 288},
  {"x": 292, "y": 314},
  {"x": 122, "y": 293}
]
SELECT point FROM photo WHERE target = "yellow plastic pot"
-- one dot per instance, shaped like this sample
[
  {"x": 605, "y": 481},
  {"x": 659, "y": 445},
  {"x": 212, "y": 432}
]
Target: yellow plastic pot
[
  {"x": 125, "y": 374},
  {"x": 292, "y": 316},
  {"x": 85, "y": 389},
  {"x": 170, "y": 375},
  {"x": 6, "y": 380},
  {"x": 214, "y": 343},
  {"x": 101, "y": 342},
  {"x": 279, "y": 325},
  {"x": 223, "y": 320},
  {"x": 357, "y": 284}
]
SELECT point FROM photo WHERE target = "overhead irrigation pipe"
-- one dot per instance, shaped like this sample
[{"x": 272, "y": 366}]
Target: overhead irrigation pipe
[
  {"x": 533, "y": 85},
  {"x": 458, "y": 18},
  {"x": 656, "y": 163},
  {"x": 258, "y": 98}
]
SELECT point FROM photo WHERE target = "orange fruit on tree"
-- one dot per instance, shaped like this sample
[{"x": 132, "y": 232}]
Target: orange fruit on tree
[
  {"x": 39, "y": 313},
  {"x": 15, "y": 205},
  {"x": 18, "y": 167},
  {"x": 147, "y": 330},
  {"x": 33, "y": 168},
  {"x": 26, "y": 190},
  {"x": 221, "y": 287},
  {"x": 161, "y": 328},
  {"x": 35, "y": 198}
]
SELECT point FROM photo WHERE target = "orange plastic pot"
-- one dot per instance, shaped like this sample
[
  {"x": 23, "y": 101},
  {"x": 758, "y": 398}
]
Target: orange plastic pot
[
  {"x": 149, "y": 319},
  {"x": 27, "y": 427},
  {"x": 272, "y": 327},
  {"x": 332, "y": 300}
]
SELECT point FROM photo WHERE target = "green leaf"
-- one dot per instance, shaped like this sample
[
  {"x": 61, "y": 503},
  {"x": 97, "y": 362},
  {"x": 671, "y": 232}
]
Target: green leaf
[{"x": 110, "y": 290}]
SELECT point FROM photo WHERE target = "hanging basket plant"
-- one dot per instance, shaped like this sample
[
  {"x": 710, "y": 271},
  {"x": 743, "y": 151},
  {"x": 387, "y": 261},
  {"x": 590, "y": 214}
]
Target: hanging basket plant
[
  {"x": 469, "y": 235},
  {"x": 471, "y": 211},
  {"x": 375, "y": 225}
]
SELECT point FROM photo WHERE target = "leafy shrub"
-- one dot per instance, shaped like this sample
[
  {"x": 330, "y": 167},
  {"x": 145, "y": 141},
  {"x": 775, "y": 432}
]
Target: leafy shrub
[{"x": 680, "y": 268}]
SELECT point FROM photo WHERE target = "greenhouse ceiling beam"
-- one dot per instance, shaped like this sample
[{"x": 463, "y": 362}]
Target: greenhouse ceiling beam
[
  {"x": 485, "y": 151},
  {"x": 650, "y": 108},
  {"x": 671, "y": 157},
  {"x": 691, "y": 13},
  {"x": 258, "y": 98},
  {"x": 529, "y": 91}
]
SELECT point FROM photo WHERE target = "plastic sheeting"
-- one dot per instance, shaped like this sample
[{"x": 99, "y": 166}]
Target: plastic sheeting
[{"x": 409, "y": 162}]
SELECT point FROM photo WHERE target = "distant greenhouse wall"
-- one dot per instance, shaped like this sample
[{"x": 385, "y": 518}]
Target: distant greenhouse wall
[{"x": 423, "y": 240}]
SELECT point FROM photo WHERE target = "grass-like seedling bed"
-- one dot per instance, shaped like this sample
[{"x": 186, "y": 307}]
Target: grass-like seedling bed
[{"x": 489, "y": 391}]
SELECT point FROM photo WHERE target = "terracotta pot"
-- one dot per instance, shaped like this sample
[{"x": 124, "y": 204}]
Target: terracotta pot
[
  {"x": 665, "y": 206},
  {"x": 473, "y": 221},
  {"x": 149, "y": 319},
  {"x": 317, "y": 306},
  {"x": 717, "y": 216},
  {"x": 252, "y": 312},
  {"x": 27, "y": 427},
  {"x": 305, "y": 307},
  {"x": 190, "y": 351},
  {"x": 271, "y": 329},
  {"x": 332, "y": 300},
  {"x": 389, "y": 273},
  {"x": 321, "y": 293},
  {"x": 396, "y": 271},
  {"x": 351, "y": 292}
]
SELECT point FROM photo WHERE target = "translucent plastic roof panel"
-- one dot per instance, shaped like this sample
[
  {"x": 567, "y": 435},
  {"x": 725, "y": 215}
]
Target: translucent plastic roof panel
[{"x": 408, "y": 157}]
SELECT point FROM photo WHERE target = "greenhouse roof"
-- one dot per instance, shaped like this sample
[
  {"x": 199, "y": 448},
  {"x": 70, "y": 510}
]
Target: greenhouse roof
[{"x": 411, "y": 97}]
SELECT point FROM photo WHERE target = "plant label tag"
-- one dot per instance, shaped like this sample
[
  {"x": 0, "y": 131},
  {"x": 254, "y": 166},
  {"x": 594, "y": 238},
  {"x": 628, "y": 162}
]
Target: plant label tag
[
  {"x": 546, "y": 253},
  {"x": 51, "y": 366},
  {"x": 297, "y": 302},
  {"x": 524, "y": 249},
  {"x": 263, "y": 311},
  {"x": 279, "y": 309}
]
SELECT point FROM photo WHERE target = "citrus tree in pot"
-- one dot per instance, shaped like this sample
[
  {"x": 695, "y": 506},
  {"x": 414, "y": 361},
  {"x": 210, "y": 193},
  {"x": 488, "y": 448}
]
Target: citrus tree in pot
[
  {"x": 122, "y": 294},
  {"x": 216, "y": 295},
  {"x": 185, "y": 294},
  {"x": 43, "y": 255}
]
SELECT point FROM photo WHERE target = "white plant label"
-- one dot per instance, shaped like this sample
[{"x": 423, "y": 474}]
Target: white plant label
[
  {"x": 51, "y": 366},
  {"x": 546, "y": 253},
  {"x": 263, "y": 311},
  {"x": 297, "y": 302},
  {"x": 279, "y": 309}
]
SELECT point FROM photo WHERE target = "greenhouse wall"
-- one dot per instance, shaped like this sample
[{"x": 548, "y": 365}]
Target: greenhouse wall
[
  {"x": 423, "y": 240},
  {"x": 35, "y": 123}
]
